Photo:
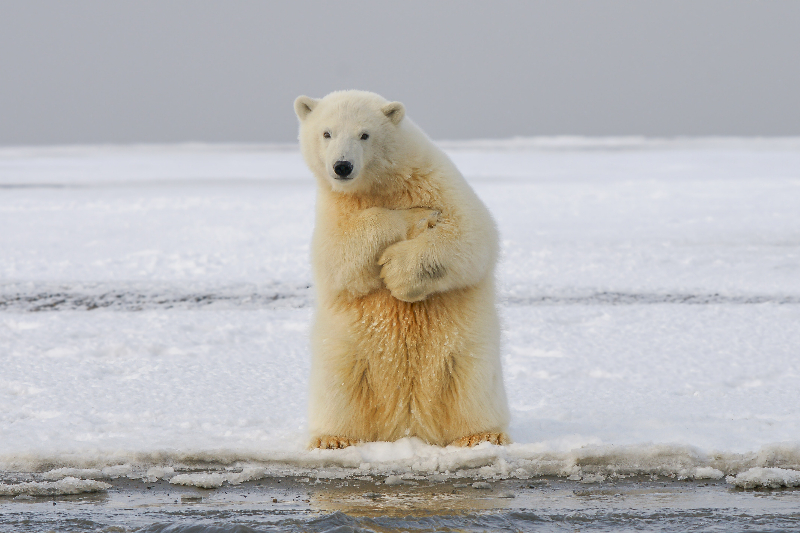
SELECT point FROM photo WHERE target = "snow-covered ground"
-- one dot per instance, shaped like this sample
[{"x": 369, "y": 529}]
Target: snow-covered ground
[{"x": 155, "y": 304}]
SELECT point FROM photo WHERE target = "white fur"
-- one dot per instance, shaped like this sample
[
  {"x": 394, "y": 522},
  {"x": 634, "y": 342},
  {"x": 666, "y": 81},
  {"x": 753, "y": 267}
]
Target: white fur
[{"x": 406, "y": 334}]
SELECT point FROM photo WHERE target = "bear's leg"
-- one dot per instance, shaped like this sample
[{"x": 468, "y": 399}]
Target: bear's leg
[
  {"x": 477, "y": 438},
  {"x": 328, "y": 442},
  {"x": 458, "y": 396}
]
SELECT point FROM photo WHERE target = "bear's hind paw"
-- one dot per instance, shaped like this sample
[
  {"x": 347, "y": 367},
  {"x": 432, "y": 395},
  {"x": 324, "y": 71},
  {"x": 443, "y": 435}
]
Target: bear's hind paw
[
  {"x": 477, "y": 438},
  {"x": 329, "y": 442}
]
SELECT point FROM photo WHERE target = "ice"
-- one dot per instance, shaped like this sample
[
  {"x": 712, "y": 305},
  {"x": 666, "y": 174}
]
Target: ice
[
  {"x": 217, "y": 479},
  {"x": 706, "y": 472},
  {"x": 767, "y": 478},
  {"x": 79, "y": 473},
  {"x": 155, "y": 304},
  {"x": 159, "y": 472},
  {"x": 68, "y": 485}
]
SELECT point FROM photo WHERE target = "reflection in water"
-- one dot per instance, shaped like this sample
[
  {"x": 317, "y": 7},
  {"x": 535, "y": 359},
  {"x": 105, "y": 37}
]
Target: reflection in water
[{"x": 408, "y": 499}]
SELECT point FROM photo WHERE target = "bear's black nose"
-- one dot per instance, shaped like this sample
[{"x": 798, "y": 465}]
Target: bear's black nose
[{"x": 343, "y": 168}]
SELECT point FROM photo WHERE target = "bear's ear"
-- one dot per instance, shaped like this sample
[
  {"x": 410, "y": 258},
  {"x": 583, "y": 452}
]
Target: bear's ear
[
  {"x": 304, "y": 105},
  {"x": 394, "y": 111}
]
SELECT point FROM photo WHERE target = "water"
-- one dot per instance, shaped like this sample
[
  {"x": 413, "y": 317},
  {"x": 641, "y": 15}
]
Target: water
[{"x": 363, "y": 505}]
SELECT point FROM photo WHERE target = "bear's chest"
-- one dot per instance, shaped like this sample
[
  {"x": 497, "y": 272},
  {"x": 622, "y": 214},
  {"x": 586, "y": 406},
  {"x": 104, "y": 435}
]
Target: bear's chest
[{"x": 417, "y": 190}]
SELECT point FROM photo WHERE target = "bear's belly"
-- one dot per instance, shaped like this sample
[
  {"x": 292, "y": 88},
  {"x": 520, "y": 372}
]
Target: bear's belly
[
  {"x": 383, "y": 320},
  {"x": 409, "y": 363}
]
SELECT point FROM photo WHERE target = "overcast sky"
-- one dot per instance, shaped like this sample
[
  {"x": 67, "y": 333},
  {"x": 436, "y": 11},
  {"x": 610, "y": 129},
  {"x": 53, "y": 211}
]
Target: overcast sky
[{"x": 228, "y": 71}]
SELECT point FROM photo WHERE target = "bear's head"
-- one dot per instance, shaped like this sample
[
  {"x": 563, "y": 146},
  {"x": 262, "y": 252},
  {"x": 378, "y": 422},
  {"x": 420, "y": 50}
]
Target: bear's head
[{"x": 349, "y": 138}]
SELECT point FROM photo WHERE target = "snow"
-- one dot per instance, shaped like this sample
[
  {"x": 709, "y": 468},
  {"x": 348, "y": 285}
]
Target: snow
[{"x": 155, "y": 304}]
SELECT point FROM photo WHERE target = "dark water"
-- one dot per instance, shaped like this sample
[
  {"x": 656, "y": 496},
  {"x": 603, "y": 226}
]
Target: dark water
[{"x": 363, "y": 506}]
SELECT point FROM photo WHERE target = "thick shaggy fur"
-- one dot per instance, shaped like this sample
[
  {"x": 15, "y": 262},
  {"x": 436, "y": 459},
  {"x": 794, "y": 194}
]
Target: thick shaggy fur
[{"x": 406, "y": 335}]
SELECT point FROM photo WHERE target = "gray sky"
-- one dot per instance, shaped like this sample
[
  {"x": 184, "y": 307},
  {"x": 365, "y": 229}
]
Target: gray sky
[{"x": 228, "y": 71}]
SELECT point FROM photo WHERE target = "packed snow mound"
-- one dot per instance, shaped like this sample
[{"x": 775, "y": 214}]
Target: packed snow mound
[
  {"x": 412, "y": 459},
  {"x": 590, "y": 463},
  {"x": 66, "y": 486},
  {"x": 766, "y": 478}
]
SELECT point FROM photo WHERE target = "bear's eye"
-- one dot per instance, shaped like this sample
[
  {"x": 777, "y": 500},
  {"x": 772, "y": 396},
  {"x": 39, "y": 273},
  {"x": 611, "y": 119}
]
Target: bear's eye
[
  {"x": 364, "y": 136},
  {"x": 327, "y": 135}
]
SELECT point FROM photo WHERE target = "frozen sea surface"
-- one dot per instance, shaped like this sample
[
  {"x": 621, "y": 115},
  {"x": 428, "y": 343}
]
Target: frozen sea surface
[{"x": 155, "y": 303}]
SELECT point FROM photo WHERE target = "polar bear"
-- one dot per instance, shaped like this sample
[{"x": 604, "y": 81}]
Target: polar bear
[{"x": 406, "y": 336}]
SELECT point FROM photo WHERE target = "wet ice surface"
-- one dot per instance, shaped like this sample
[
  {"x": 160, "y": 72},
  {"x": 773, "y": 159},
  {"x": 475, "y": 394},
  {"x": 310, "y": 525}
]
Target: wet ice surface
[
  {"x": 155, "y": 303},
  {"x": 302, "y": 504}
]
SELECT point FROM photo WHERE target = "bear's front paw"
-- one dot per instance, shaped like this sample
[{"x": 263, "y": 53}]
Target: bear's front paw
[
  {"x": 406, "y": 273},
  {"x": 477, "y": 438},
  {"x": 419, "y": 219},
  {"x": 330, "y": 442}
]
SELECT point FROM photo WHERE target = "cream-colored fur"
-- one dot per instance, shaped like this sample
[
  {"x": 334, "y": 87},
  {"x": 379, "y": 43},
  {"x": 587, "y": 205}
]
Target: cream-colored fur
[{"x": 406, "y": 337}]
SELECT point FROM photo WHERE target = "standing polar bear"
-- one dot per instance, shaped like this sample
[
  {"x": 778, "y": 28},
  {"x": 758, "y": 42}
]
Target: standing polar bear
[{"x": 406, "y": 335}]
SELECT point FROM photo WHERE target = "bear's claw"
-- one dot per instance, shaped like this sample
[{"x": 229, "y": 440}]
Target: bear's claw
[
  {"x": 328, "y": 442},
  {"x": 477, "y": 438}
]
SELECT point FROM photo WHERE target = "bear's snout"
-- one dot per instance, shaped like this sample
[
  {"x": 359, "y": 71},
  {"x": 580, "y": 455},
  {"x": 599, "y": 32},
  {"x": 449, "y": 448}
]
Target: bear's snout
[{"x": 343, "y": 169}]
